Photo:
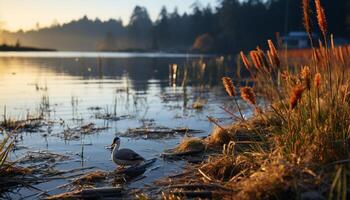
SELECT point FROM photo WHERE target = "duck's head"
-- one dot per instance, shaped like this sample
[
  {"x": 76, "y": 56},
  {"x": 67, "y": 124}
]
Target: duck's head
[{"x": 116, "y": 142}]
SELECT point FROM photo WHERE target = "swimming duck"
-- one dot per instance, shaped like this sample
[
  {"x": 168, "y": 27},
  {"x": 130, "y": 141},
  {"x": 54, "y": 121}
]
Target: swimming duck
[{"x": 124, "y": 157}]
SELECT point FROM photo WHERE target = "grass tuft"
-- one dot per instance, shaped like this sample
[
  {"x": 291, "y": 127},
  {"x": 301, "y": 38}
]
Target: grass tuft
[{"x": 190, "y": 144}]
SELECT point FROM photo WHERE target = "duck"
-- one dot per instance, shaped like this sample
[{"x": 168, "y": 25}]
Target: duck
[{"x": 124, "y": 157}]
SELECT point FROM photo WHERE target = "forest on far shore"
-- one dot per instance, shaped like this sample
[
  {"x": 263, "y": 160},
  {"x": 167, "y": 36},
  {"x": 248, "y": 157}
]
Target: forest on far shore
[{"x": 232, "y": 26}]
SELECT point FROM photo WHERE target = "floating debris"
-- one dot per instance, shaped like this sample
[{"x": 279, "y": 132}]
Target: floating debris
[
  {"x": 111, "y": 117},
  {"x": 94, "y": 108},
  {"x": 27, "y": 125},
  {"x": 36, "y": 167},
  {"x": 90, "y": 178},
  {"x": 95, "y": 193},
  {"x": 157, "y": 132},
  {"x": 75, "y": 133},
  {"x": 42, "y": 156},
  {"x": 190, "y": 185}
]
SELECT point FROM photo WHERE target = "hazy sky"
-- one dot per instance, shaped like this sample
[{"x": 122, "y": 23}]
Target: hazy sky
[{"x": 24, "y": 14}]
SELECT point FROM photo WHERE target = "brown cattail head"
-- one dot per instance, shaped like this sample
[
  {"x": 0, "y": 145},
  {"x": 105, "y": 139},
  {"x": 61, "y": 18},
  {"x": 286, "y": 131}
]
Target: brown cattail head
[
  {"x": 262, "y": 57},
  {"x": 255, "y": 58},
  {"x": 317, "y": 80},
  {"x": 273, "y": 52},
  {"x": 296, "y": 95},
  {"x": 245, "y": 61},
  {"x": 248, "y": 95},
  {"x": 269, "y": 56},
  {"x": 321, "y": 17},
  {"x": 229, "y": 87},
  {"x": 306, "y": 16},
  {"x": 305, "y": 75}
]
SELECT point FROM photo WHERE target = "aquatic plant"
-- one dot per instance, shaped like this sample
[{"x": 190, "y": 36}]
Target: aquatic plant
[
  {"x": 6, "y": 145},
  {"x": 299, "y": 142}
]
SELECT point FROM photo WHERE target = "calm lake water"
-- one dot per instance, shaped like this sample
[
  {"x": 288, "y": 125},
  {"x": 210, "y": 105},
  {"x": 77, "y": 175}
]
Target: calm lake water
[{"x": 72, "y": 89}]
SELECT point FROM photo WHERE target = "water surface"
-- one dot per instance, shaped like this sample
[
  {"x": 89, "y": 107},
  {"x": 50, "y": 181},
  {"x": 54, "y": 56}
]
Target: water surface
[{"x": 71, "y": 89}]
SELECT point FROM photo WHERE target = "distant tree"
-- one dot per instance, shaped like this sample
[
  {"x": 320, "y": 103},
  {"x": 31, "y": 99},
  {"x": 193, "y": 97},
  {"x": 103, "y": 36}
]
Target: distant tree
[
  {"x": 161, "y": 28},
  {"x": 234, "y": 25},
  {"x": 140, "y": 27},
  {"x": 197, "y": 20}
]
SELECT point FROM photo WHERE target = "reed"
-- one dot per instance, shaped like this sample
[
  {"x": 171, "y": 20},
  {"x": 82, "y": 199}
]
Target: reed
[
  {"x": 231, "y": 91},
  {"x": 229, "y": 87},
  {"x": 245, "y": 61},
  {"x": 6, "y": 145},
  {"x": 296, "y": 95},
  {"x": 306, "y": 16},
  {"x": 304, "y": 137},
  {"x": 321, "y": 17},
  {"x": 248, "y": 95}
]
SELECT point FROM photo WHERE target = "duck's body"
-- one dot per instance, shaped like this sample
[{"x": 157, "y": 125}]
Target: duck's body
[{"x": 124, "y": 157}]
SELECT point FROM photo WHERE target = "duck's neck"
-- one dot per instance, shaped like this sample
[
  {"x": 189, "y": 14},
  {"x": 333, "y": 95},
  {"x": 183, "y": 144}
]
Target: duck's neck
[{"x": 116, "y": 146}]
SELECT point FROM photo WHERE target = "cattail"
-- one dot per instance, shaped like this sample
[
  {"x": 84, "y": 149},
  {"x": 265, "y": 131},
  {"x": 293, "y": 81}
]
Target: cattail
[
  {"x": 317, "y": 80},
  {"x": 306, "y": 16},
  {"x": 305, "y": 74},
  {"x": 321, "y": 17},
  {"x": 261, "y": 56},
  {"x": 245, "y": 61},
  {"x": 255, "y": 59},
  {"x": 248, "y": 95},
  {"x": 296, "y": 95},
  {"x": 229, "y": 87},
  {"x": 273, "y": 52},
  {"x": 269, "y": 56}
]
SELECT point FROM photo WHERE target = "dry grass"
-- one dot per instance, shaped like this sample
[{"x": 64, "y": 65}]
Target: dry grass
[
  {"x": 226, "y": 167},
  {"x": 90, "y": 178},
  {"x": 263, "y": 184},
  {"x": 300, "y": 142},
  {"x": 219, "y": 136},
  {"x": 190, "y": 144}
]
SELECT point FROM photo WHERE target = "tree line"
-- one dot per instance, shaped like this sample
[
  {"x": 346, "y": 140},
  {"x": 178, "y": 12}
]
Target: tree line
[
  {"x": 235, "y": 25},
  {"x": 231, "y": 26}
]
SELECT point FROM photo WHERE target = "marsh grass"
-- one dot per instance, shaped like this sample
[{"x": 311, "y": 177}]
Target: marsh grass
[
  {"x": 6, "y": 145},
  {"x": 302, "y": 134},
  {"x": 190, "y": 144},
  {"x": 10, "y": 173}
]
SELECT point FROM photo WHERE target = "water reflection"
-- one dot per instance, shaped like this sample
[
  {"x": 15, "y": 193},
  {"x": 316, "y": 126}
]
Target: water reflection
[
  {"x": 139, "y": 71},
  {"x": 87, "y": 101}
]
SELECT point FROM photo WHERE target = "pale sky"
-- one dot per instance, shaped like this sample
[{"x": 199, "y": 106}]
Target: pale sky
[{"x": 24, "y": 14}]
